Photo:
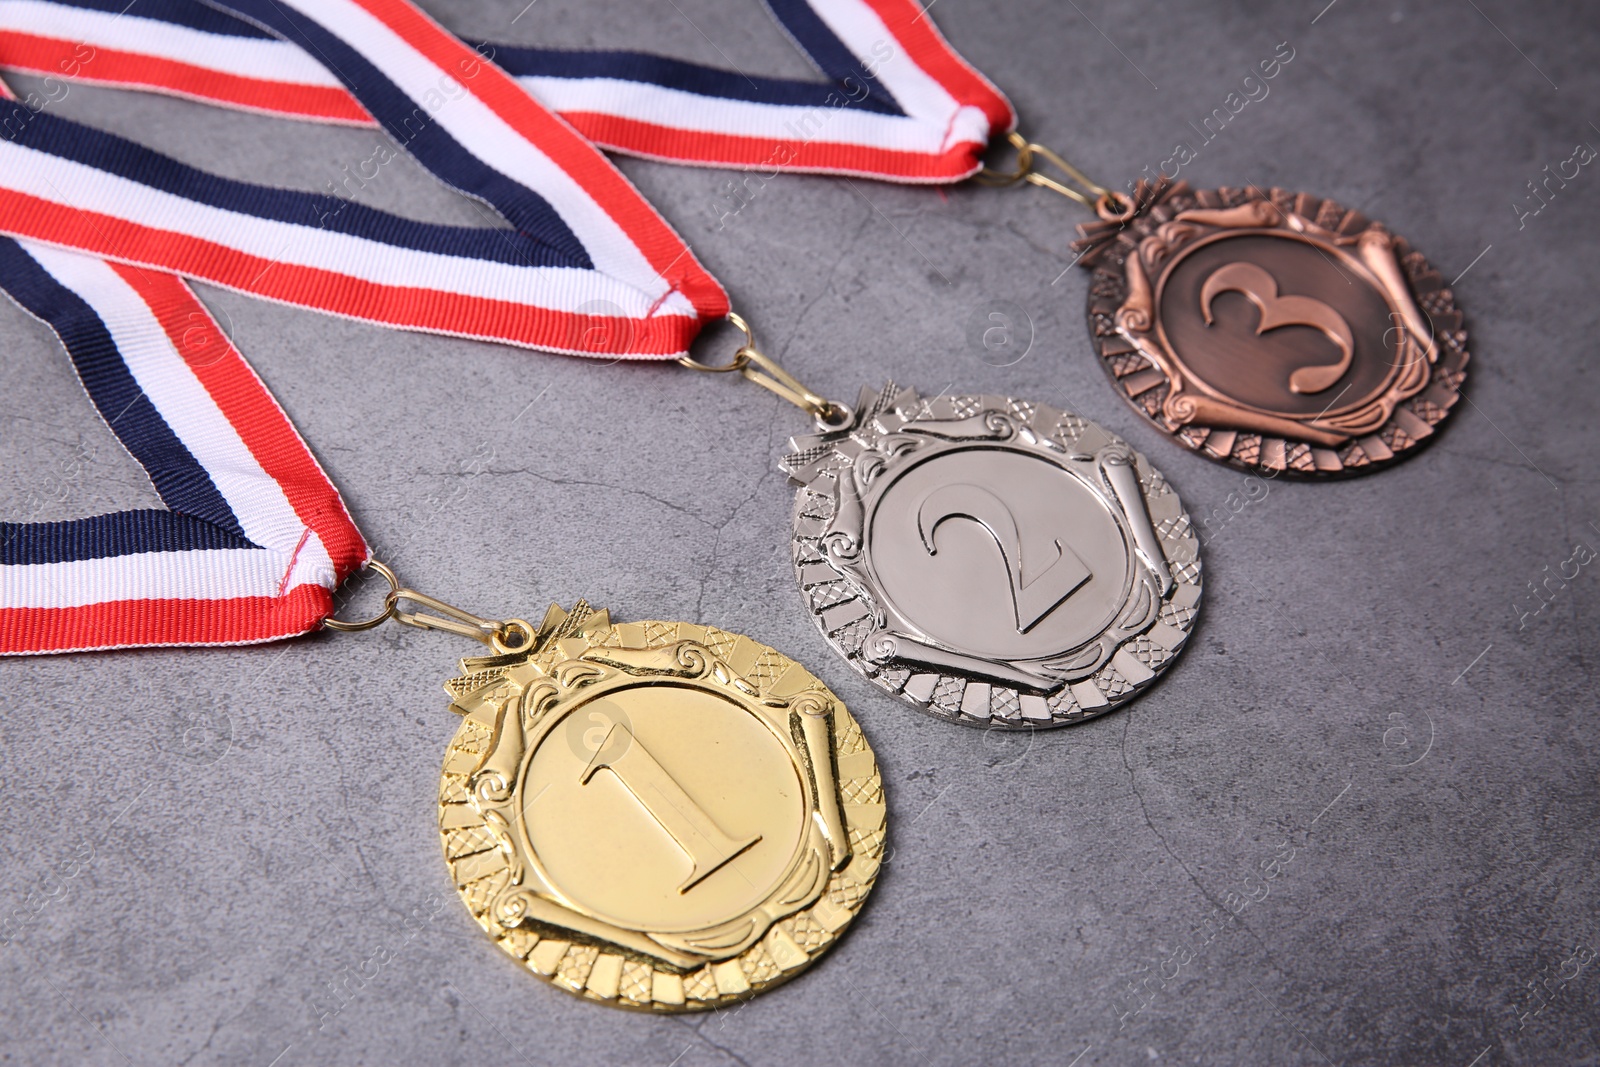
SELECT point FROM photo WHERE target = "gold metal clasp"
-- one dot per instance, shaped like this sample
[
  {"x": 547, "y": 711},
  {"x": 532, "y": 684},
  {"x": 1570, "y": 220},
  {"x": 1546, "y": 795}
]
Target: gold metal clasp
[
  {"x": 502, "y": 635},
  {"x": 765, "y": 372},
  {"x": 1107, "y": 203}
]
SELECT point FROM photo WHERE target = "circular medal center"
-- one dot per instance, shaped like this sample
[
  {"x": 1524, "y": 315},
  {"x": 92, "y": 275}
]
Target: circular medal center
[
  {"x": 1279, "y": 323},
  {"x": 999, "y": 553},
  {"x": 662, "y": 808}
]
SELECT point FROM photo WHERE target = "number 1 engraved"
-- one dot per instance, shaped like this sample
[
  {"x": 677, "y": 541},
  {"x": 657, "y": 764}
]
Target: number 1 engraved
[
  {"x": 1032, "y": 598},
  {"x": 701, "y": 839}
]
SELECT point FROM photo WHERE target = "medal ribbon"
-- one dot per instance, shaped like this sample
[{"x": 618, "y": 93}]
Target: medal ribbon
[
  {"x": 254, "y": 538},
  {"x": 898, "y": 104},
  {"x": 588, "y": 267}
]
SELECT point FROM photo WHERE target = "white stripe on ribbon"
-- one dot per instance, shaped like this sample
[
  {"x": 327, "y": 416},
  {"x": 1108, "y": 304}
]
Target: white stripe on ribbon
[
  {"x": 198, "y": 574},
  {"x": 166, "y": 379},
  {"x": 484, "y": 134},
  {"x": 684, "y": 110},
  {"x": 244, "y": 57},
  {"x": 86, "y": 188}
]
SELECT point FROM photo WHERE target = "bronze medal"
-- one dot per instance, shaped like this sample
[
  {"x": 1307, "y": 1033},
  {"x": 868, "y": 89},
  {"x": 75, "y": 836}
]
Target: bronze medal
[{"x": 1275, "y": 332}]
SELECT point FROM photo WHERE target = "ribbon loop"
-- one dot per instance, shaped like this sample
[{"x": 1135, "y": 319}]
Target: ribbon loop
[{"x": 102, "y": 231}]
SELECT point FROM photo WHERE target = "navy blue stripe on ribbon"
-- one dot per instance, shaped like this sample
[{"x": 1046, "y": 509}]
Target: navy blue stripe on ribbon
[
  {"x": 688, "y": 77},
  {"x": 830, "y": 54},
  {"x": 121, "y": 533},
  {"x": 842, "y": 67},
  {"x": 182, "y": 483},
  {"x": 66, "y": 139},
  {"x": 196, "y": 16},
  {"x": 411, "y": 123}
]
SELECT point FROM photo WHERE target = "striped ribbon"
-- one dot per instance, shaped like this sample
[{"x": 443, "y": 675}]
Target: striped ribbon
[
  {"x": 588, "y": 267},
  {"x": 896, "y": 103},
  {"x": 254, "y": 538}
]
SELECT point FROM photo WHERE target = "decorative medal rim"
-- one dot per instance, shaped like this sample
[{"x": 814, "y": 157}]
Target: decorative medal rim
[
  {"x": 487, "y": 853},
  {"x": 1154, "y": 381},
  {"x": 1122, "y": 672}
]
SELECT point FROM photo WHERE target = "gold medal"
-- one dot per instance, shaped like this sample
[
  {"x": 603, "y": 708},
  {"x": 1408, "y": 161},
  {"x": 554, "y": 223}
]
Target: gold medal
[{"x": 657, "y": 815}]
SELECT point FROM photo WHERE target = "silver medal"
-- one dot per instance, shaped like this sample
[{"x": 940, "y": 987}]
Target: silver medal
[{"x": 993, "y": 561}]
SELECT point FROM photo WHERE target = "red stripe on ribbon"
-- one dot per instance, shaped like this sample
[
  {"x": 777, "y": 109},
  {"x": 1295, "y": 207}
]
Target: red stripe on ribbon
[
  {"x": 138, "y": 623},
  {"x": 253, "y": 413},
  {"x": 53, "y": 57},
  {"x": 661, "y": 246},
  {"x": 659, "y": 337}
]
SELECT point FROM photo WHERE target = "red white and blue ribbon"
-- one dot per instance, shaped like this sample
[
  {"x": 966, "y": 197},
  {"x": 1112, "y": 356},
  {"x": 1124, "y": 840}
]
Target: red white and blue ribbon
[
  {"x": 254, "y": 538},
  {"x": 102, "y": 231},
  {"x": 896, "y": 102},
  {"x": 588, "y": 267}
]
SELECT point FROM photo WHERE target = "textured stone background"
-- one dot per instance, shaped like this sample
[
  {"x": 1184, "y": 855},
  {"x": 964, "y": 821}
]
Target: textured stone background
[{"x": 261, "y": 820}]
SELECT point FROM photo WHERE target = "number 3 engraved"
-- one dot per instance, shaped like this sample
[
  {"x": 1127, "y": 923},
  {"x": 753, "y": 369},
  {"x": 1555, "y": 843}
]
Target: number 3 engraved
[
  {"x": 1261, "y": 289},
  {"x": 707, "y": 847},
  {"x": 1032, "y": 597}
]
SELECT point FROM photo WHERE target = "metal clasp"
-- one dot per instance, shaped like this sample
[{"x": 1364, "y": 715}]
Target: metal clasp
[
  {"x": 765, "y": 372},
  {"x": 502, "y": 635},
  {"x": 1108, "y": 204}
]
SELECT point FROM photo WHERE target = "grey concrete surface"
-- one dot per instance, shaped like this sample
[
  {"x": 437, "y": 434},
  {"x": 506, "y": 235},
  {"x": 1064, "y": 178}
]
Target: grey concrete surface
[{"x": 202, "y": 842}]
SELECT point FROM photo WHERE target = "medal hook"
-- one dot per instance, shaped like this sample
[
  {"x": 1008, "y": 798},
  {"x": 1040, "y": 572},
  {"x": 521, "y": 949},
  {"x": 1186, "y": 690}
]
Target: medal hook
[
  {"x": 1108, "y": 204},
  {"x": 502, "y": 635},
  {"x": 765, "y": 372}
]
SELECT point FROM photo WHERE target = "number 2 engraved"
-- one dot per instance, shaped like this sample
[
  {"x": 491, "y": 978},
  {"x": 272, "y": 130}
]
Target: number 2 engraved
[
  {"x": 701, "y": 839},
  {"x": 1033, "y": 596},
  {"x": 1261, "y": 289}
]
